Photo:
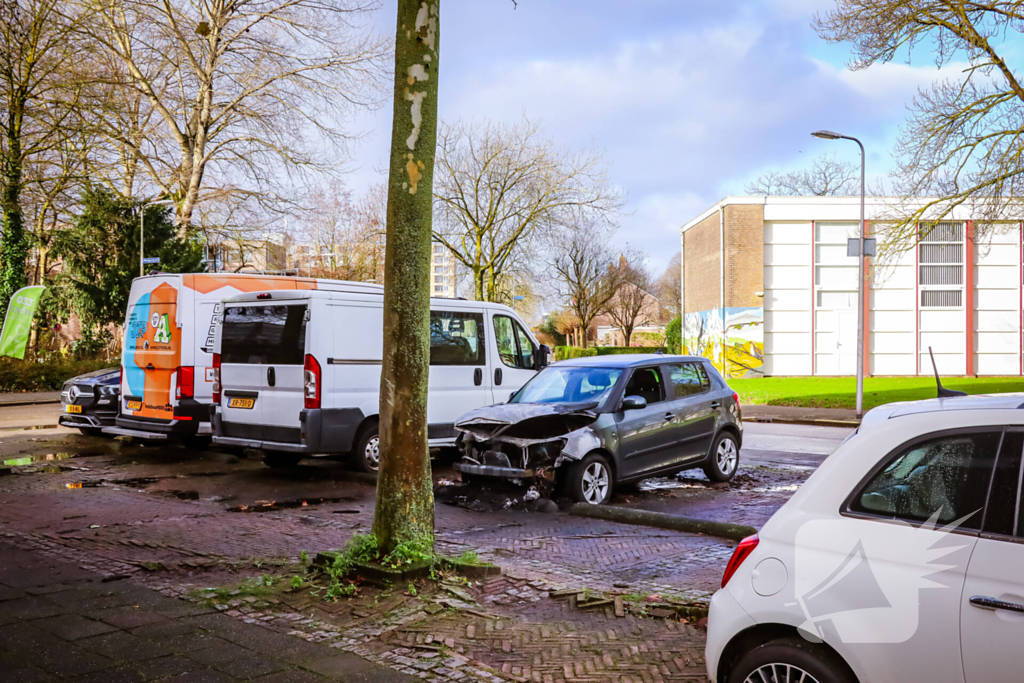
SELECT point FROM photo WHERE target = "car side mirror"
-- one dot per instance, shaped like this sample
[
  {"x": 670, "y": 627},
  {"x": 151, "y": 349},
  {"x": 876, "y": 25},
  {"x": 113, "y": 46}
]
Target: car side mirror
[
  {"x": 512, "y": 396},
  {"x": 543, "y": 357},
  {"x": 634, "y": 403}
]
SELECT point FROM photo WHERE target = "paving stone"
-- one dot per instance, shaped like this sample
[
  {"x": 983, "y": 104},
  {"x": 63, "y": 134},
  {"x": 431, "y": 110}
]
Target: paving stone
[
  {"x": 29, "y": 674},
  {"x": 302, "y": 651},
  {"x": 163, "y": 630},
  {"x": 125, "y": 647},
  {"x": 201, "y": 676},
  {"x": 219, "y": 654},
  {"x": 31, "y": 608},
  {"x": 163, "y": 667},
  {"x": 73, "y": 626},
  {"x": 384, "y": 676},
  {"x": 193, "y": 642},
  {"x": 339, "y": 665},
  {"x": 251, "y": 666},
  {"x": 111, "y": 676},
  {"x": 72, "y": 661},
  {"x": 292, "y": 676},
  {"x": 8, "y": 593},
  {"x": 127, "y": 617}
]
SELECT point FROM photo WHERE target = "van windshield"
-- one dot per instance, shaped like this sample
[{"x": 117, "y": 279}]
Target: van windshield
[
  {"x": 269, "y": 335},
  {"x": 556, "y": 384}
]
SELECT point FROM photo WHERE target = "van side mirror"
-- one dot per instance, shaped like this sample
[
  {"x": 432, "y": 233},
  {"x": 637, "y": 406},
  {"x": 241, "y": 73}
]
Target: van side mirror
[
  {"x": 512, "y": 396},
  {"x": 543, "y": 357},
  {"x": 634, "y": 403}
]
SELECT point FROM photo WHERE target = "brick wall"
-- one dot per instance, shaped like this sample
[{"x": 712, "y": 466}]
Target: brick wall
[
  {"x": 701, "y": 268},
  {"x": 744, "y": 248}
]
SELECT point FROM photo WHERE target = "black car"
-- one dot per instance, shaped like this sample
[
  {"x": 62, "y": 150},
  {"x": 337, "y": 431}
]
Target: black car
[
  {"x": 589, "y": 423},
  {"x": 89, "y": 402}
]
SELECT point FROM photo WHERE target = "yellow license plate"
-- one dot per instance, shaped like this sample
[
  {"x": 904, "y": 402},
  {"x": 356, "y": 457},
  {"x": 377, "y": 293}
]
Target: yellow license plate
[
  {"x": 72, "y": 409},
  {"x": 246, "y": 403},
  {"x": 133, "y": 405}
]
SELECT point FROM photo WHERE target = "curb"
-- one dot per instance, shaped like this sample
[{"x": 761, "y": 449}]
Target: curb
[
  {"x": 818, "y": 422},
  {"x": 36, "y": 402},
  {"x": 663, "y": 520}
]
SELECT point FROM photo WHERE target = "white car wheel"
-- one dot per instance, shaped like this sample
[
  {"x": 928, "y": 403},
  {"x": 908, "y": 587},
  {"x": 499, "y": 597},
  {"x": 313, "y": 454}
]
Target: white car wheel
[{"x": 779, "y": 673}]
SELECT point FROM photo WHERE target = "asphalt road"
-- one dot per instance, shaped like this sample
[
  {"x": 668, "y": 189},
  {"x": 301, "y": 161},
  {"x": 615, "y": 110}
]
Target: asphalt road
[{"x": 790, "y": 444}]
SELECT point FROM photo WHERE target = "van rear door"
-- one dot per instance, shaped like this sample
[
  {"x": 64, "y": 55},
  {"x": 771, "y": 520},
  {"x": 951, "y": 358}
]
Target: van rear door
[
  {"x": 283, "y": 346},
  {"x": 241, "y": 372},
  {"x": 152, "y": 349}
]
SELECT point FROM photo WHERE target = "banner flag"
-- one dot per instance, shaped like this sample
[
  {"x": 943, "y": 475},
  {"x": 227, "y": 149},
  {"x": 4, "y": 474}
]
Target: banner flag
[{"x": 18, "y": 323}]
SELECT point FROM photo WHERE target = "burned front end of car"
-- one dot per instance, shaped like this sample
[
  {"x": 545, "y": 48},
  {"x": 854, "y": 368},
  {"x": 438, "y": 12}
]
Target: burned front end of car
[{"x": 524, "y": 443}]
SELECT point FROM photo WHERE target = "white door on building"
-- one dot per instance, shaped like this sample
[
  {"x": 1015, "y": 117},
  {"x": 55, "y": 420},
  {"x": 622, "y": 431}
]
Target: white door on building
[{"x": 846, "y": 342}]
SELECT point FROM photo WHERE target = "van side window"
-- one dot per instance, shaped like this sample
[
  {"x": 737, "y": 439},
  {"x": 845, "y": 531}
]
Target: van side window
[
  {"x": 948, "y": 475},
  {"x": 514, "y": 346},
  {"x": 457, "y": 338},
  {"x": 271, "y": 335}
]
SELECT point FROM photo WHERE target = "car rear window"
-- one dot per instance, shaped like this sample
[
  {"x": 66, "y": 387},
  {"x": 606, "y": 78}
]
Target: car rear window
[{"x": 270, "y": 335}]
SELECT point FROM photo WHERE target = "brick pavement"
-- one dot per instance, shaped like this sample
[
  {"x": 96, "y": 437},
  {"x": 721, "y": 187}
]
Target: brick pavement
[{"x": 59, "y": 621}]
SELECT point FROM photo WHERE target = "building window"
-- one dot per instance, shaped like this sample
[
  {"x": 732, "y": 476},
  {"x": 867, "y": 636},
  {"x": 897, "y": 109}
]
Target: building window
[
  {"x": 438, "y": 289},
  {"x": 941, "y": 265},
  {"x": 438, "y": 248}
]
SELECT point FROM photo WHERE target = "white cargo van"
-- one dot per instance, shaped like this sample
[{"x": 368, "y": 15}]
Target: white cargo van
[
  {"x": 300, "y": 371},
  {"x": 167, "y": 363}
]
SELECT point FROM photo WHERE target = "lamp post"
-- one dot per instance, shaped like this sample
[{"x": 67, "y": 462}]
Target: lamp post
[
  {"x": 861, "y": 313},
  {"x": 142, "y": 230}
]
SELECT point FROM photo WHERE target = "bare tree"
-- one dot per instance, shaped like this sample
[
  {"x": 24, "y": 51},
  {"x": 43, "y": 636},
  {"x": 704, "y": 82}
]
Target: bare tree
[
  {"x": 344, "y": 239},
  {"x": 964, "y": 140},
  {"x": 583, "y": 271},
  {"x": 499, "y": 185},
  {"x": 632, "y": 304},
  {"x": 238, "y": 85},
  {"x": 404, "y": 511},
  {"x": 826, "y": 177},
  {"x": 669, "y": 286},
  {"x": 38, "y": 92}
]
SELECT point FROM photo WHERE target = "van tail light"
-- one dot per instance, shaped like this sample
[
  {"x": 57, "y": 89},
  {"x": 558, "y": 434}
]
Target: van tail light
[
  {"x": 741, "y": 553},
  {"x": 311, "y": 382},
  {"x": 216, "y": 379},
  {"x": 186, "y": 382}
]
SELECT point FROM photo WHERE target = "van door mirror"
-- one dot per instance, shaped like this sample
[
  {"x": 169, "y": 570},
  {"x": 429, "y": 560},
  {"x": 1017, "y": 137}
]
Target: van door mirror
[
  {"x": 634, "y": 403},
  {"x": 543, "y": 356},
  {"x": 512, "y": 396}
]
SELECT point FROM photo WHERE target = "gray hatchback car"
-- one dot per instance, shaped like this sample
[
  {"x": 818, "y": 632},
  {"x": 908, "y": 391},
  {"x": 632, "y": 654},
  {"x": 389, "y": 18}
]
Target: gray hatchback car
[{"x": 590, "y": 423}]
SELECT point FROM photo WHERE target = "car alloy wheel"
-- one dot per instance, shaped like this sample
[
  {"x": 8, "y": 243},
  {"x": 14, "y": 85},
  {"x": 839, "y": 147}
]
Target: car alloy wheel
[
  {"x": 372, "y": 452},
  {"x": 728, "y": 456},
  {"x": 596, "y": 480},
  {"x": 779, "y": 673}
]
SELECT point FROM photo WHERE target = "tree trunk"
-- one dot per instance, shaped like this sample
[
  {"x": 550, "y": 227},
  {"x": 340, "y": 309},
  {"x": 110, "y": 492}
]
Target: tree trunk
[
  {"x": 404, "y": 510},
  {"x": 13, "y": 248},
  {"x": 628, "y": 334}
]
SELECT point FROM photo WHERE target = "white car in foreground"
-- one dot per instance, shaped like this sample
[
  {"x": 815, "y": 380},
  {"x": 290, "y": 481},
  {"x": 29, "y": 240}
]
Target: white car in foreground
[{"x": 901, "y": 559}]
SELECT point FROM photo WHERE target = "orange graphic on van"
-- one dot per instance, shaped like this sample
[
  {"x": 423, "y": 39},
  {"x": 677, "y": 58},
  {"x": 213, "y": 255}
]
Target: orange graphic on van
[{"x": 152, "y": 352}]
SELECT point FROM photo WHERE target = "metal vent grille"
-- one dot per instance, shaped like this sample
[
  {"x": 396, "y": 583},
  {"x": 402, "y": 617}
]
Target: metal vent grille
[{"x": 947, "y": 298}]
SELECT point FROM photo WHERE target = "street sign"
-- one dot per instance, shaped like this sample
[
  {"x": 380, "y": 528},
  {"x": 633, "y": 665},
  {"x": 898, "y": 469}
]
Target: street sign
[
  {"x": 519, "y": 298},
  {"x": 853, "y": 246},
  {"x": 150, "y": 260}
]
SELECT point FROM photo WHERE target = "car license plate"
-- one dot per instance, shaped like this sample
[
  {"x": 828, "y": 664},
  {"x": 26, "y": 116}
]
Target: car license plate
[
  {"x": 133, "y": 405},
  {"x": 246, "y": 403},
  {"x": 72, "y": 409}
]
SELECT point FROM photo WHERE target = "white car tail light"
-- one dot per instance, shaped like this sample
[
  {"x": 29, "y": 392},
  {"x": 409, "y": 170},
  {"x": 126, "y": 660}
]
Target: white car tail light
[{"x": 741, "y": 553}]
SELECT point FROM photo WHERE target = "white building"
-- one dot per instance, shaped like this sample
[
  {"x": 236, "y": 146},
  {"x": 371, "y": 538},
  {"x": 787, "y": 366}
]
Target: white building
[
  {"x": 768, "y": 289},
  {"x": 442, "y": 272}
]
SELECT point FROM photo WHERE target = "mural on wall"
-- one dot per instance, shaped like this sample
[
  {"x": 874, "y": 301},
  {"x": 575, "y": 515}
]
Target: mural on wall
[{"x": 737, "y": 350}]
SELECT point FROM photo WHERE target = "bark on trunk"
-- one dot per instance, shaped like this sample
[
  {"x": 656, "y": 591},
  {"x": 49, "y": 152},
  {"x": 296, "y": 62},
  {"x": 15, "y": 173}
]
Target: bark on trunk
[
  {"x": 404, "y": 510},
  {"x": 13, "y": 247}
]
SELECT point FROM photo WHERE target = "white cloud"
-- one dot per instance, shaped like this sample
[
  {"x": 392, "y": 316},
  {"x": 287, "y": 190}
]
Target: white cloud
[{"x": 889, "y": 83}]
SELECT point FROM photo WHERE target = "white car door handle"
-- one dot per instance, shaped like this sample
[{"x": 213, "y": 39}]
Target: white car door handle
[{"x": 985, "y": 602}]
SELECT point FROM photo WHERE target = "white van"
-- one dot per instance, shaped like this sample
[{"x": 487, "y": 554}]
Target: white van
[
  {"x": 300, "y": 371},
  {"x": 167, "y": 363}
]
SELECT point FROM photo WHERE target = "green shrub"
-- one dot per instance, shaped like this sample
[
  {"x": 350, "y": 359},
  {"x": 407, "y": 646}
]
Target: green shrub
[
  {"x": 616, "y": 350},
  {"x": 48, "y": 375},
  {"x": 567, "y": 352},
  {"x": 674, "y": 335}
]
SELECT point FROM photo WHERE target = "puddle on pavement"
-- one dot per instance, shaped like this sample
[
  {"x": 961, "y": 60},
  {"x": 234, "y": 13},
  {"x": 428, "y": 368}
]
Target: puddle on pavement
[
  {"x": 28, "y": 460},
  {"x": 272, "y": 505}
]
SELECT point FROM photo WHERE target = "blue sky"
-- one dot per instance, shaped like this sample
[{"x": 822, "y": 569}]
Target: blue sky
[{"x": 689, "y": 99}]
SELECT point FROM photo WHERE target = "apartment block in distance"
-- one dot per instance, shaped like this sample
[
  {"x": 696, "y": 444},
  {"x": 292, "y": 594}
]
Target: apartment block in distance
[
  {"x": 442, "y": 272},
  {"x": 768, "y": 289}
]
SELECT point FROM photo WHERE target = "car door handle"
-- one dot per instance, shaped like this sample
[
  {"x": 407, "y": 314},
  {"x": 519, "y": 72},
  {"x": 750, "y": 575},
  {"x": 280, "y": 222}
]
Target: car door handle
[
  {"x": 716, "y": 404},
  {"x": 669, "y": 417},
  {"x": 985, "y": 602},
  {"x": 497, "y": 376},
  {"x": 271, "y": 377},
  {"x": 478, "y": 377}
]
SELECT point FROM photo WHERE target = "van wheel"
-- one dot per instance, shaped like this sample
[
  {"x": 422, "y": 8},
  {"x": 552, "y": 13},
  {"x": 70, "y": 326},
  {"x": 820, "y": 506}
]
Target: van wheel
[
  {"x": 789, "y": 660},
  {"x": 725, "y": 458},
  {"x": 366, "y": 455},
  {"x": 591, "y": 480},
  {"x": 276, "y": 459}
]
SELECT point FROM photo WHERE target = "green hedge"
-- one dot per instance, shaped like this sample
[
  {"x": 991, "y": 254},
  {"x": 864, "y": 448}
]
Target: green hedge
[
  {"x": 615, "y": 350},
  {"x": 567, "y": 352},
  {"x": 49, "y": 375}
]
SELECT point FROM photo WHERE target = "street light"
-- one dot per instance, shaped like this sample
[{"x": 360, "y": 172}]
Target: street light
[
  {"x": 142, "y": 230},
  {"x": 830, "y": 135}
]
